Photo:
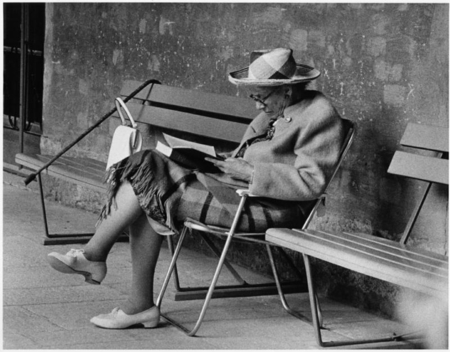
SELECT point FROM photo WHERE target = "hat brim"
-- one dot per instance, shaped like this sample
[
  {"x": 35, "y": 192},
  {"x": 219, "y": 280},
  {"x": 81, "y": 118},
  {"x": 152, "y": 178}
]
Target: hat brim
[{"x": 303, "y": 73}]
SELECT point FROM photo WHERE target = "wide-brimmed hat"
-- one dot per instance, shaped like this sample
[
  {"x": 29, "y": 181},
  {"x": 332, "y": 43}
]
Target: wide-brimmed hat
[{"x": 273, "y": 68}]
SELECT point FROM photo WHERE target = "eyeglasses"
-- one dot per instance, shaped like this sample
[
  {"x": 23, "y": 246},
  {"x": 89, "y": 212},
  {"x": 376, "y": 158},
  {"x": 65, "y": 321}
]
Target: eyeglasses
[{"x": 261, "y": 100}]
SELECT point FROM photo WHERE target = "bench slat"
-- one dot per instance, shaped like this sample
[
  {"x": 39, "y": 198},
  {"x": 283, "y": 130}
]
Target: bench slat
[
  {"x": 396, "y": 255},
  {"x": 89, "y": 165},
  {"x": 192, "y": 99},
  {"x": 380, "y": 262},
  {"x": 82, "y": 171},
  {"x": 402, "y": 250},
  {"x": 190, "y": 123},
  {"x": 419, "y": 167},
  {"x": 392, "y": 251},
  {"x": 426, "y": 137},
  {"x": 81, "y": 167}
]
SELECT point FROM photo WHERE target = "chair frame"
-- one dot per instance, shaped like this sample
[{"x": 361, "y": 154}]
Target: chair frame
[
  {"x": 242, "y": 288},
  {"x": 231, "y": 234}
]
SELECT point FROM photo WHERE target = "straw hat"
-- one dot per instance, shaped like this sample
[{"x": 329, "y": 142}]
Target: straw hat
[{"x": 273, "y": 68}]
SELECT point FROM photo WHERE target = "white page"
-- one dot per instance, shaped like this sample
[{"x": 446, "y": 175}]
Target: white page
[{"x": 177, "y": 142}]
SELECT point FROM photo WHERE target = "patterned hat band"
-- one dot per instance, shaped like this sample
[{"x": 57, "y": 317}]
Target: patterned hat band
[{"x": 273, "y": 68}]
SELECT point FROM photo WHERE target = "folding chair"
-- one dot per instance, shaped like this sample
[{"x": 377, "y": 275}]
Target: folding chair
[{"x": 231, "y": 234}]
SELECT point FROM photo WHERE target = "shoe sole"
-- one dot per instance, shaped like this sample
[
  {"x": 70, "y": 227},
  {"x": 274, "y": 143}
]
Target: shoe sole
[
  {"x": 62, "y": 267},
  {"x": 150, "y": 324},
  {"x": 147, "y": 325}
]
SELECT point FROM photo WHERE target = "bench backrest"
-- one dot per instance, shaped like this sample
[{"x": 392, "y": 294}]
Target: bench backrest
[
  {"x": 430, "y": 168},
  {"x": 427, "y": 168},
  {"x": 210, "y": 115}
]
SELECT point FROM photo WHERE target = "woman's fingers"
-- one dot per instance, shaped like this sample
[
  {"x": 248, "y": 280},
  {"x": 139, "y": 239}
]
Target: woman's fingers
[{"x": 235, "y": 167}]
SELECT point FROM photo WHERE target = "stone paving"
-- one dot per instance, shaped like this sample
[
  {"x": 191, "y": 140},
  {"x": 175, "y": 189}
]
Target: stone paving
[{"x": 43, "y": 309}]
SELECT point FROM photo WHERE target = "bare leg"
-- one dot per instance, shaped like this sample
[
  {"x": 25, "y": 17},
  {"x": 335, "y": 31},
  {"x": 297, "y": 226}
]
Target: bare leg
[
  {"x": 145, "y": 246},
  {"x": 127, "y": 212}
]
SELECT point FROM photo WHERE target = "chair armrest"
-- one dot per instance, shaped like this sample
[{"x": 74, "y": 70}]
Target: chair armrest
[{"x": 245, "y": 192}]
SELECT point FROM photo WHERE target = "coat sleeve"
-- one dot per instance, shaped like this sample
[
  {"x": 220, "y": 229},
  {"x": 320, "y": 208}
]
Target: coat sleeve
[{"x": 316, "y": 150}]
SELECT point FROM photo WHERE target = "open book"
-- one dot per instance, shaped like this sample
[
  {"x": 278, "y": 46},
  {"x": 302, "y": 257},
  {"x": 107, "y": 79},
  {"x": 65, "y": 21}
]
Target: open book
[{"x": 189, "y": 154}]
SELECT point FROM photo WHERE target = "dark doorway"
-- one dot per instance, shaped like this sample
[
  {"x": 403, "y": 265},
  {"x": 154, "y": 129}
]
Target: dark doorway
[{"x": 23, "y": 71}]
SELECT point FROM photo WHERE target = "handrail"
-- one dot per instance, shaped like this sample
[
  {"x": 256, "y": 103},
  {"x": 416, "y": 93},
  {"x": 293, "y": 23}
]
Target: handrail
[{"x": 32, "y": 176}]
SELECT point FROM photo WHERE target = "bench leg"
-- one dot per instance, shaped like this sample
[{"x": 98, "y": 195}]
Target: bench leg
[
  {"x": 52, "y": 239},
  {"x": 65, "y": 238},
  {"x": 280, "y": 289},
  {"x": 44, "y": 212},
  {"x": 316, "y": 319}
]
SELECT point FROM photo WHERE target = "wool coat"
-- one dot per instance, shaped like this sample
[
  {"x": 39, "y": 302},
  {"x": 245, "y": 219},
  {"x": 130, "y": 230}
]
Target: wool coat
[{"x": 297, "y": 163}]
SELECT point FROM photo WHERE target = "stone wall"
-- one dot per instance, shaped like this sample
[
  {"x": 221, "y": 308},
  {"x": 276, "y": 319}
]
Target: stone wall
[{"x": 383, "y": 66}]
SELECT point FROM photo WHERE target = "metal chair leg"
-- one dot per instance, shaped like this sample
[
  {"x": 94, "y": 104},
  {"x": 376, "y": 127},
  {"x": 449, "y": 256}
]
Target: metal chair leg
[
  {"x": 214, "y": 279},
  {"x": 172, "y": 267},
  {"x": 227, "y": 264},
  {"x": 176, "y": 279},
  {"x": 209, "y": 294}
]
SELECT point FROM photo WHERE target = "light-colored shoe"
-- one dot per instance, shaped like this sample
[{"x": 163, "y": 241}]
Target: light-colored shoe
[
  {"x": 117, "y": 319},
  {"x": 74, "y": 262}
]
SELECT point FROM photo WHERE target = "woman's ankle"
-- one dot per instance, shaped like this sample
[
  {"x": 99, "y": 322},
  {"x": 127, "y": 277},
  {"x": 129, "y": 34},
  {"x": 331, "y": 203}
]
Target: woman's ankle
[
  {"x": 131, "y": 308},
  {"x": 94, "y": 257}
]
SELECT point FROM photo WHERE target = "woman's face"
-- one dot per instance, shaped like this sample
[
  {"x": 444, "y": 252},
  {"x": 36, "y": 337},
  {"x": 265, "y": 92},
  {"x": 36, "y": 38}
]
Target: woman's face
[{"x": 271, "y": 100}]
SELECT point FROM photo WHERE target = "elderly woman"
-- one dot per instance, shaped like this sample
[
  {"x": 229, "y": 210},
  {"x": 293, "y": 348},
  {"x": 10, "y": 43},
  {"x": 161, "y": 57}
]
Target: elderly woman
[{"x": 286, "y": 157}]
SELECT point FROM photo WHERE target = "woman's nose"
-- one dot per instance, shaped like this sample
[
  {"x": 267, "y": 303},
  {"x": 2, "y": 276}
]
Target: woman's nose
[{"x": 259, "y": 105}]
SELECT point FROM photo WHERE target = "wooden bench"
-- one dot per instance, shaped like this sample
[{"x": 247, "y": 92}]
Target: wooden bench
[
  {"x": 203, "y": 117},
  {"x": 395, "y": 262}
]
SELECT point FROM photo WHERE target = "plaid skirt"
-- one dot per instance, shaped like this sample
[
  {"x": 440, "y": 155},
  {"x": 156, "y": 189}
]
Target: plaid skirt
[{"x": 169, "y": 193}]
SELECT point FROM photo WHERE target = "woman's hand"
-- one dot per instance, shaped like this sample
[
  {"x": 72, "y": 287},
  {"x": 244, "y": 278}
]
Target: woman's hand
[{"x": 235, "y": 167}]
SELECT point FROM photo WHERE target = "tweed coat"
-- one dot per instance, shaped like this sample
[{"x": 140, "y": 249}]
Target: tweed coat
[{"x": 298, "y": 161}]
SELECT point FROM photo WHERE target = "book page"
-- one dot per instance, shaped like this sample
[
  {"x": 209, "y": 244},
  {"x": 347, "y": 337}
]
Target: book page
[{"x": 181, "y": 143}]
